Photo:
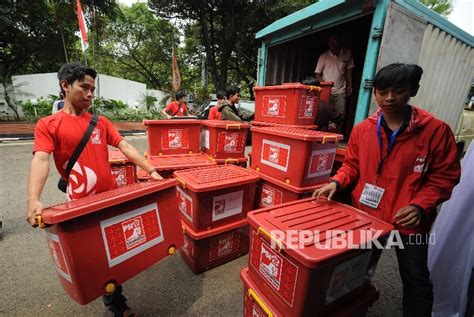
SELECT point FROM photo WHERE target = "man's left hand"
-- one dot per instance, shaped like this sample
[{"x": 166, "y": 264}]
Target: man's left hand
[
  {"x": 408, "y": 217},
  {"x": 156, "y": 176}
]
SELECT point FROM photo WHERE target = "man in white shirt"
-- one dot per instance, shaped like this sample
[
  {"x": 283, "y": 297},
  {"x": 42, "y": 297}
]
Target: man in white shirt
[{"x": 336, "y": 65}]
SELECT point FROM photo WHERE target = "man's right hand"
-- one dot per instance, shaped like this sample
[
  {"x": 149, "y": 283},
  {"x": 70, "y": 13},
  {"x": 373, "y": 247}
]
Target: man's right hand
[
  {"x": 34, "y": 208},
  {"x": 329, "y": 190}
]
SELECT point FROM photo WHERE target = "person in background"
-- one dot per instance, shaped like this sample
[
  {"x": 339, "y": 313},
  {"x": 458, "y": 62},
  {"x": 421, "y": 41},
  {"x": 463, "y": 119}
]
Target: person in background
[
  {"x": 58, "y": 104},
  {"x": 403, "y": 163},
  {"x": 229, "y": 110},
  {"x": 59, "y": 134},
  {"x": 336, "y": 65},
  {"x": 214, "y": 113},
  {"x": 176, "y": 108},
  {"x": 327, "y": 114}
]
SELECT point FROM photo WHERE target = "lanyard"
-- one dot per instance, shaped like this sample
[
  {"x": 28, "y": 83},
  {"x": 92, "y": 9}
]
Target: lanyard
[{"x": 390, "y": 144}]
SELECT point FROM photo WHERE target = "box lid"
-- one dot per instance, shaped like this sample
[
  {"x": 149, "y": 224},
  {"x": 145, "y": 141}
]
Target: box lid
[
  {"x": 215, "y": 177},
  {"x": 116, "y": 156},
  {"x": 171, "y": 122},
  {"x": 90, "y": 204},
  {"x": 271, "y": 124},
  {"x": 291, "y": 188},
  {"x": 300, "y": 134},
  {"x": 230, "y": 160},
  {"x": 183, "y": 161},
  {"x": 288, "y": 86},
  {"x": 226, "y": 124},
  {"x": 322, "y": 221},
  {"x": 198, "y": 235}
]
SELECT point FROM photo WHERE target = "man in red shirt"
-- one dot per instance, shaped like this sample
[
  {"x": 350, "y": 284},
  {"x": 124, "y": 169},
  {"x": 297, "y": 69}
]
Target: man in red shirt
[
  {"x": 403, "y": 162},
  {"x": 61, "y": 133},
  {"x": 214, "y": 113},
  {"x": 176, "y": 108}
]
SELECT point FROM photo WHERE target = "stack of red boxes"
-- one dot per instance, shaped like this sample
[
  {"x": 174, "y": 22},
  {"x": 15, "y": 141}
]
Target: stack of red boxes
[
  {"x": 291, "y": 158},
  {"x": 214, "y": 202},
  {"x": 310, "y": 258},
  {"x": 174, "y": 145},
  {"x": 224, "y": 141}
]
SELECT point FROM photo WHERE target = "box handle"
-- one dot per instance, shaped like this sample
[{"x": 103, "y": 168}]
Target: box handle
[
  {"x": 314, "y": 88},
  {"x": 327, "y": 138},
  {"x": 230, "y": 161},
  {"x": 257, "y": 299},
  {"x": 262, "y": 231},
  {"x": 181, "y": 182},
  {"x": 232, "y": 126},
  {"x": 39, "y": 222}
]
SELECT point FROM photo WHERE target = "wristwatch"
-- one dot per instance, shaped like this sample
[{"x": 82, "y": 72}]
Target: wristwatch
[{"x": 151, "y": 171}]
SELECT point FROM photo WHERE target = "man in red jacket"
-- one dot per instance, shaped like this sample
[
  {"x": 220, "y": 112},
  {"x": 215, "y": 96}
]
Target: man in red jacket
[{"x": 403, "y": 163}]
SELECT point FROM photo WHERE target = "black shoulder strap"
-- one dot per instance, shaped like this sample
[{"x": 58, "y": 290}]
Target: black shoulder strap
[
  {"x": 82, "y": 144},
  {"x": 179, "y": 108}
]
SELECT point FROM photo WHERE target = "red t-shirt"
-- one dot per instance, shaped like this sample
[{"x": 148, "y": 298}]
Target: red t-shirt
[
  {"x": 61, "y": 133},
  {"x": 214, "y": 114},
  {"x": 173, "y": 109}
]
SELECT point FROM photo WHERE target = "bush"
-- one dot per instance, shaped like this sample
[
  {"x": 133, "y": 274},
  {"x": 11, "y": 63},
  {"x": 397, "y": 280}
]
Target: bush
[{"x": 34, "y": 112}]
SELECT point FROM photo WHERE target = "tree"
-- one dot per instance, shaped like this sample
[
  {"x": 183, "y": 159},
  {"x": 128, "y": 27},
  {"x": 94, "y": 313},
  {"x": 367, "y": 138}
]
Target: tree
[
  {"x": 226, "y": 26},
  {"x": 138, "y": 47},
  {"x": 31, "y": 40},
  {"x": 442, "y": 7}
]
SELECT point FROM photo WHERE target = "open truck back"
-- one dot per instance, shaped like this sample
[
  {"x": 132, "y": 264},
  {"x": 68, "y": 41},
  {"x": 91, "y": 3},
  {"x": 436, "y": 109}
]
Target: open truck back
[{"x": 378, "y": 32}]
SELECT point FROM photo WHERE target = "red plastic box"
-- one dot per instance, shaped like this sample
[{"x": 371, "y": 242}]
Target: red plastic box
[
  {"x": 299, "y": 157},
  {"x": 293, "y": 104},
  {"x": 213, "y": 196},
  {"x": 166, "y": 165},
  {"x": 269, "y": 124},
  {"x": 124, "y": 171},
  {"x": 207, "y": 249},
  {"x": 271, "y": 192},
  {"x": 112, "y": 236},
  {"x": 325, "y": 93},
  {"x": 169, "y": 137},
  {"x": 311, "y": 256},
  {"x": 224, "y": 139},
  {"x": 256, "y": 302}
]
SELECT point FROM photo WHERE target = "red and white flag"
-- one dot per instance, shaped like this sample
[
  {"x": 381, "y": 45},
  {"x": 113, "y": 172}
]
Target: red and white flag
[
  {"x": 82, "y": 26},
  {"x": 176, "y": 75}
]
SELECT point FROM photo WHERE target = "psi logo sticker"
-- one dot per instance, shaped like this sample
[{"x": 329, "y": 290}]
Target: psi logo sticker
[
  {"x": 276, "y": 155},
  {"x": 274, "y": 106},
  {"x": 131, "y": 233}
]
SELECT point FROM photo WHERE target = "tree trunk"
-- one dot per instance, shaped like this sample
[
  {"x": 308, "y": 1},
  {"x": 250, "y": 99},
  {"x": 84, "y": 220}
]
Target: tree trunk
[{"x": 8, "y": 99}]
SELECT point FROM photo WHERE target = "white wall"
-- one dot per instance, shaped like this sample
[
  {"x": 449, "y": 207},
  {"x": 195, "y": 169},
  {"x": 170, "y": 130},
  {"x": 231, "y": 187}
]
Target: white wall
[
  {"x": 35, "y": 86},
  {"x": 159, "y": 95}
]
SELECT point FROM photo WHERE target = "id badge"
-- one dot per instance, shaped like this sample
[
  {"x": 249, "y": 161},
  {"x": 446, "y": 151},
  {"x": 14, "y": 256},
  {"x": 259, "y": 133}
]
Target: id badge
[{"x": 371, "y": 195}]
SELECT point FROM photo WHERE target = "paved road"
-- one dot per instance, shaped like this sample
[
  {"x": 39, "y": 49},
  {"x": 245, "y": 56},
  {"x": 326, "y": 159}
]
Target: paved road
[{"x": 29, "y": 285}]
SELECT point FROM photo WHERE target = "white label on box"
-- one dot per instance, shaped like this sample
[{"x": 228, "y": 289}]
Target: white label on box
[
  {"x": 131, "y": 233},
  {"x": 321, "y": 162},
  {"x": 185, "y": 204},
  {"x": 227, "y": 205},
  {"x": 276, "y": 155},
  {"x": 271, "y": 266},
  {"x": 205, "y": 138},
  {"x": 348, "y": 276},
  {"x": 57, "y": 255}
]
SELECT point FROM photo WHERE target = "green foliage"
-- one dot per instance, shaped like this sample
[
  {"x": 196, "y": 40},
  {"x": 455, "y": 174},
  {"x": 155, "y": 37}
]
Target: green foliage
[
  {"x": 201, "y": 96},
  {"x": 442, "y": 7},
  {"x": 138, "y": 47},
  {"x": 35, "y": 111}
]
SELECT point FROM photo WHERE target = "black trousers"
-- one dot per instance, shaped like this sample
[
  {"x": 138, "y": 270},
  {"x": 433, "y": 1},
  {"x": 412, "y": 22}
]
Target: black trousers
[
  {"x": 413, "y": 267},
  {"x": 116, "y": 303}
]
